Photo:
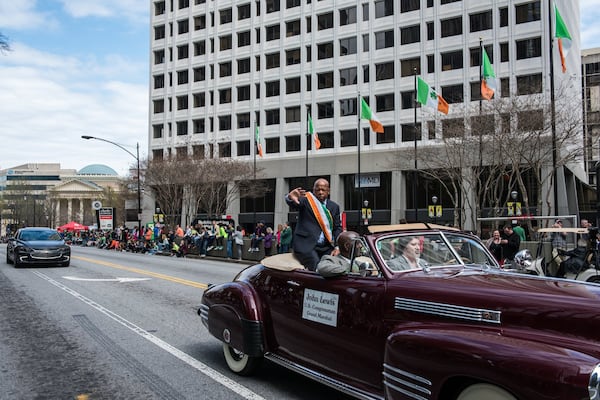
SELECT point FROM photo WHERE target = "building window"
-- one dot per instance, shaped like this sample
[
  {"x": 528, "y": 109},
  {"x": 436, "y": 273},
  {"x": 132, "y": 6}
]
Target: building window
[
  {"x": 272, "y": 32},
  {"x": 292, "y": 143},
  {"x": 272, "y": 6},
  {"x": 158, "y": 106},
  {"x": 528, "y": 12},
  {"x": 325, "y": 50},
  {"x": 347, "y": 46},
  {"x": 452, "y": 60},
  {"x": 348, "y": 138},
  {"x": 529, "y": 84},
  {"x": 453, "y": 127},
  {"x": 159, "y": 81},
  {"x": 529, "y": 48},
  {"x": 182, "y": 128},
  {"x": 451, "y": 26},
  {"x": 159, "y": 57},
  {"x": 225, "y": 69},
  {"x": 159, "y": 8},
  {"x": 325, "y": 110},
  {"x": 384, "y": 71},
  {"x": 410, "y": 66},
  {"x": 225, "y": 150},
  {"x": 159, "y": 32},
  {"x": 243, "y": 93},
  {"x": 325, "y": 21},
  {"x": 388, "y": 135},
  {"x": 292, "y": 85},
  {"x": 182, "y": 77},
  {"x": 410, "y": 34},
  {"x": 384, "y": 102},
  {"x": 243, "y": 66},
  {"x": 292, "y": 57},
  {"x": 481, "y": 21},
  {"x": 407, "y": 99},
  {"x": 199, "y": 22},
  {"x": 409, "y": 5},
  {"x": 325, "y": 80},
  {"x": 244, "y": 11},
  {"x": 503, "y": 16},
  {"x": 199, "y": 74},
  {"x": 225, "y": 16},
  {"x": 348, "y": 16},
  {"x": 182, "y": 102},
  {"x": 184, "y": 4},
  {"x": 224, "y": 96},
  {"x": 503, "y": 52},
  {"x": 292, "y": 114},
  {"x": 411, "y": 132},
  {"x": 272, "y": 60},
  {"x": 198, "y": 126},
  {"x": 272, "y": 88},
  {"x": 243, "y": 147},
  {"x": 272, "y": 116},
  {"x": 182, "y": 52},
  {"x": 272, "y": 145},
  {"x": 243, "y": 120},
  {"x": 384, "y": 8},
  {"x": 199, "y": 48},
  {"x": 476, "y": 91},
  {"x": 430, "y": 63},
  {"x": 430, "y": 31},
  {"x": 292, "y": 3},
  {"x": 348, "y": 76},
  {"x": 505, "y": 87},
  {"x": 475, "y": 55},
  {"x": 199, "y": 100},
  {"x": 453, "y": 93},
  {"x": 384, "y": 39},
  {"x": 292, "y": 28},
  {"x": 183, "y": 26},
  {"x": 326, "y": 139},
  {"x": 348, "y": 107},
  {"x": 530, "y": 120},
  {"x": 225, "y": 122},
  {"x": 243, "y": 38},
  {"x": 157, "y": 131},
  {"x": 225, "y": 42}
]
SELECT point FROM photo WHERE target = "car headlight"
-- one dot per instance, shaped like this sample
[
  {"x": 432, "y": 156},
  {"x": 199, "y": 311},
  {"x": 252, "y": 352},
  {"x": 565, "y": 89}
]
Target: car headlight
[
  {"x": 594, "y": 385},
  {"x": 22, "y": 250}
]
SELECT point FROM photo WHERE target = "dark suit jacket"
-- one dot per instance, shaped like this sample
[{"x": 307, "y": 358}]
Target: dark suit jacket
[{"x": 308, "y": 230}]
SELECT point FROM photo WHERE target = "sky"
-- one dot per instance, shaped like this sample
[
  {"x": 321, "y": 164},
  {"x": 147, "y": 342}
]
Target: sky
[{"x": 81, "y": 67}]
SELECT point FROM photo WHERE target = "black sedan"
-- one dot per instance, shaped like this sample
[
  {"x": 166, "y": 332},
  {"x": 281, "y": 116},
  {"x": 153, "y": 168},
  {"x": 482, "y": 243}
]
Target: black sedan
[{"x": 37, "y": 246}]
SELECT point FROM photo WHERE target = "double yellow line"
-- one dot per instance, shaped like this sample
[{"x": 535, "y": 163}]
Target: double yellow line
[{"x": 144, "y": 272}]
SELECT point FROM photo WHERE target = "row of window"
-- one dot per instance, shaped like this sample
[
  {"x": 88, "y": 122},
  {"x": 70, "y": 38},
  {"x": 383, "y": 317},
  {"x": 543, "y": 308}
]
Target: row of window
[
  {"x": 531, "y": 120},
  {"x": 479, "y": 21}
]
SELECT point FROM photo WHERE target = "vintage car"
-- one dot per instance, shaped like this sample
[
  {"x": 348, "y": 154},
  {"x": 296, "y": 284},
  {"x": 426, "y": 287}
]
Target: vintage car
[
  {"x": 455, "y": 327},
  {"x": 38, "y": 246}
]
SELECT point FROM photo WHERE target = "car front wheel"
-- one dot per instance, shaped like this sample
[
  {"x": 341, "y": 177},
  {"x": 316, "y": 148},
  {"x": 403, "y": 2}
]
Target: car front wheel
[
  {"x": 8, "y": 260},
  {"x": 484, "y": 391},
  {"x": 238, "y": 362}
]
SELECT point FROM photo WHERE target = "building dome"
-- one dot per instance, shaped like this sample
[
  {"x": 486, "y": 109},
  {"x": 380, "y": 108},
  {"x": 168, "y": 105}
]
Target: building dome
[{"x": 97, "y": 169}]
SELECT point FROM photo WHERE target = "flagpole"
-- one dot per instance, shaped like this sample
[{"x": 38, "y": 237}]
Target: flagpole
[
  {"x": 358, "y": 135},
  {"x": 414, "y": 180},
  {"x": 254, "y": 178},
  {"x": 307, "y": 141},
  {"x": 480, "y": 105},
  {"x": 553, "y": 109}
]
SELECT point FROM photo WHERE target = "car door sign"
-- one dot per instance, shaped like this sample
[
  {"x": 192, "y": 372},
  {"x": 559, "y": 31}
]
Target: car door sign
[{"x": 321, "y": 307}]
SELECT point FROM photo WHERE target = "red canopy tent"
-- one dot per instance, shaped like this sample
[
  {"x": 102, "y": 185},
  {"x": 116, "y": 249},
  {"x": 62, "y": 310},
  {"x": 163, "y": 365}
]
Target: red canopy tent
[{"x": 72, "y": 226}]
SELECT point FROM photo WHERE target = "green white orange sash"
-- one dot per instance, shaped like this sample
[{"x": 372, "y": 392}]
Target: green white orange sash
[{"x": 322, "y": 215}]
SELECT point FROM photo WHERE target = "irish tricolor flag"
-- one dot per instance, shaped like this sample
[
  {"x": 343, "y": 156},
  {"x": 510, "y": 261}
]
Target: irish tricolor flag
[
  {"x": 315, "y": 135},
  {"x": 429, "y": 97},
  {"x": 564, "y": 38},
  {"x": 488, "y": 77},
  {"x": 259, "y": 149},
  {"x": 366, "y": 113}
]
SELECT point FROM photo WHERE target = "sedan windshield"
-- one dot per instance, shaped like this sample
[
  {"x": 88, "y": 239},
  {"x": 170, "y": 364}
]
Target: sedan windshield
[
  {"x": 406, "y": 251},
  {"x": 45, "y": 234}
]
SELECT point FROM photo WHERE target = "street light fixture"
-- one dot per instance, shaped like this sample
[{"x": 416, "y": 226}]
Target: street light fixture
[
  {"x": 434, "y": 200},
  {"x": 137, "y": 159}
]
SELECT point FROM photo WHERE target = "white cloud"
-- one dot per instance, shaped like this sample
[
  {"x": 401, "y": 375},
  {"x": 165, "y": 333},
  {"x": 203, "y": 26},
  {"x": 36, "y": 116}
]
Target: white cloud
[
  {"x": 22, "y": 15},
  {"x": 50, "y": 101},
  {"x": 590, "y": 29},
  {"x": 135, "y": 10}
]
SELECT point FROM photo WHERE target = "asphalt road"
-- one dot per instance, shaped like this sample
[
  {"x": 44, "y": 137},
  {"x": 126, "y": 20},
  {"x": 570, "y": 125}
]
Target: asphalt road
[{"x": 123, "y": 326}]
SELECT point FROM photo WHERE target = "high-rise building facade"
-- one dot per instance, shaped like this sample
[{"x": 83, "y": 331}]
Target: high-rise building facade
[{"x": 222, "y": 69}]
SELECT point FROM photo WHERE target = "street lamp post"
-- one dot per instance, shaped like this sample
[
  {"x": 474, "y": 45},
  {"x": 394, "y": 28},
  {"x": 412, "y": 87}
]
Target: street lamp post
[
  {"x": 434, "y": 200},
  {"x": 139, "y": 190}
]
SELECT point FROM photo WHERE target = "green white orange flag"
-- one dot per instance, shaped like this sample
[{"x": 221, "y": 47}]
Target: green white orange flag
[
  {"x": 366, "y": 113},
  {"x": 564, "y": 38},
  {"x": 429, "y": 97},
  {"x": 315, "y": 135},
  {"x": 259, "y": 149},
  {"x": 488, "y": 78}
]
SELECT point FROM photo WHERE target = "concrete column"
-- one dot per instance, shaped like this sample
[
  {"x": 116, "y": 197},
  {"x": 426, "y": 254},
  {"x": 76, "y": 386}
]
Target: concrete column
[
  {"x": 80, "y": 219},
  {"x": 56, "y": 220},
  {"x": 281, "y": 208},
  {"x": 69, "y": 210},
  {"x": 398, "y": 202}
]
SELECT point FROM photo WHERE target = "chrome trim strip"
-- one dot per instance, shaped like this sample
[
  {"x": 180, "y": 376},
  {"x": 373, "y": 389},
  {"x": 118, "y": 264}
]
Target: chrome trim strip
[
  {"x": 405, "y": 392},
  {"x": 448, "y": 310},
  {"x": 405, "y": 386},
  {"x": 408, "y": 374},
  {"x": 204, "y": 314},
  {"x": 325, "y": 380}
]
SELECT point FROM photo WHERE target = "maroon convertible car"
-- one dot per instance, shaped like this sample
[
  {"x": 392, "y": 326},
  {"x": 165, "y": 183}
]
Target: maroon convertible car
[{"x": 454, "y": 327}]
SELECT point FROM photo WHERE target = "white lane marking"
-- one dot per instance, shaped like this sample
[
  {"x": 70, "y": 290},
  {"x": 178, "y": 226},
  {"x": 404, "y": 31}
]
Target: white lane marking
[
  {"x": 120, "y": 280},
  {"x": 191, "y": 361}
]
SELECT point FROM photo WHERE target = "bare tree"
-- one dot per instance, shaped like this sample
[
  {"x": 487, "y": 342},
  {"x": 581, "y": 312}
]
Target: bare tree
[{"x": 4, "y": 44}]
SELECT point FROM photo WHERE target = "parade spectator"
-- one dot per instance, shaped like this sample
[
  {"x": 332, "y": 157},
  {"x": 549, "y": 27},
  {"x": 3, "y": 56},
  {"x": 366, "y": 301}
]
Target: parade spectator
[
  {"x": 510, "y": 243},
  {"x": 257, "y": 237},
  {"x": 268, "y": 241},
  {"x": 286, "y": 238}
]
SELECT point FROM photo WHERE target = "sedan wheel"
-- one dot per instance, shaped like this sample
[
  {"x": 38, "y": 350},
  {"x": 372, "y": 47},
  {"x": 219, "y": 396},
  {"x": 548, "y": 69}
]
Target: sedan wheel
[
  {"x": 238, "y": 362},
  {"x": 8, "y": 260},
  {"x": 484, "y": 391}
]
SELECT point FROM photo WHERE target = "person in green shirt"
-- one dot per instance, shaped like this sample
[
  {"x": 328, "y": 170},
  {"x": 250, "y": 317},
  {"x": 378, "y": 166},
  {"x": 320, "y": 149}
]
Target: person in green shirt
[
  {"x": 286, "y": 238},
  {"x": 518, "y": 229}
]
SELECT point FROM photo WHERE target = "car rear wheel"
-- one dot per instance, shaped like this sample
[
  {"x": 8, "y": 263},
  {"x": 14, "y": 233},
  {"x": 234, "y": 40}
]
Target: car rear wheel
[
  {"x": 484, "y": 391},
  {"x": 238, "y": 362}
]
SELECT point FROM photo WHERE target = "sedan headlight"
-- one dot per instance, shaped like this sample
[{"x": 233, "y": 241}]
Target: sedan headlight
[
  {"x": 594, "y": 385},
  {"x": 23, "y": 250}
]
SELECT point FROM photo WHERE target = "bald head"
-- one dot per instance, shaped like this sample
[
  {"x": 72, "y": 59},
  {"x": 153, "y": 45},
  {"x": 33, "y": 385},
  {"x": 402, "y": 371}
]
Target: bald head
[{"x": 345, "y": 242}]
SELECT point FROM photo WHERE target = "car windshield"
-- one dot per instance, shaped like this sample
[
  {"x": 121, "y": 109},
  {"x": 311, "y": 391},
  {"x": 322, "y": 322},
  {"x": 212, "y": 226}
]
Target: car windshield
[
  {"x": 409, "y": 251},
  {"x": 29, "y": 236}
]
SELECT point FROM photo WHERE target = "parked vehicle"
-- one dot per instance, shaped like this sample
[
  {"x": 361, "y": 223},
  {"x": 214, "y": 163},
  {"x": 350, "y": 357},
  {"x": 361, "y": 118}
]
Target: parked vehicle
[
  {"x": 37, "y": 246},
  {"x": 578, "y": 263},
  {"x": 454, "y": 327}
]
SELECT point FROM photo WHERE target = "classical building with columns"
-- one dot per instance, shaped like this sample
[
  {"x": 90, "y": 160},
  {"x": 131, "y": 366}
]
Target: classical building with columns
[{"x": 44, "y": 194}]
